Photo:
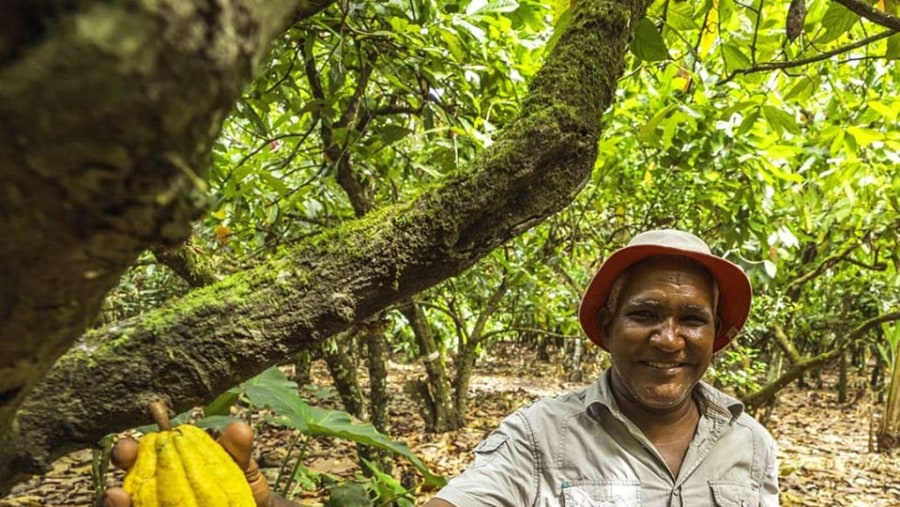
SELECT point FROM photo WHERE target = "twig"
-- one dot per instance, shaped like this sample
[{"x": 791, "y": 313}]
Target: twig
[{"x": 765, "y": 67}]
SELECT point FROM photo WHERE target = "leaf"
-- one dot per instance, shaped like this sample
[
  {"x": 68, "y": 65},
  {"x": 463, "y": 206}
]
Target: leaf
[
  {"x": 734, "y": 56},
  {"x": 748, "y": 122},
  {"x": 339, "y": 424},
  {"x": 803, "y": 89},
  {"x": 893, "y": 43},
  {"x": 348, "y": 494},
  {"x": 483, "y": 6},
  {"x": 681, "y": 16},
  {"x": 392, "y": 133},
  {"x": 274, "y": 182},
  {"x": 475, "y": 31},
  {"x": 780, "y": 120},
  {"x": 647, "y": 132},
  {"x": 710, "y": 28},
  {"x": 887, "y": 112},
  {"x": 222, "y": 404},
  {"x": 273, "y": 390},
  {"x": 863, "y": 136},
  {"x": 771, "y": 268},
  {"x": 836, "y": 21},
  {"x": 648, "y": 44}
]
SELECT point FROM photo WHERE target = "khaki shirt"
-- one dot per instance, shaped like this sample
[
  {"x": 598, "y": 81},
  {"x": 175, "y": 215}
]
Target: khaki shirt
[{"x": 578, "y": 450}]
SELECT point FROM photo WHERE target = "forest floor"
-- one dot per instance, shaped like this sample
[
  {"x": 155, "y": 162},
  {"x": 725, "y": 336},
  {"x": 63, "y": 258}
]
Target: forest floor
[{"x": 823, "y": 444}]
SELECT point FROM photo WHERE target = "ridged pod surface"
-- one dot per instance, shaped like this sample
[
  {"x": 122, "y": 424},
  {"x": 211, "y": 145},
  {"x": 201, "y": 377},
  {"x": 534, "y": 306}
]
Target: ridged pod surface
[{"x": 185, "y": 467}]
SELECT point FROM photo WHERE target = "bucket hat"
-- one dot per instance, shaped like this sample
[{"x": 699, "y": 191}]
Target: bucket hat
[{"x": 734, "y": 286}]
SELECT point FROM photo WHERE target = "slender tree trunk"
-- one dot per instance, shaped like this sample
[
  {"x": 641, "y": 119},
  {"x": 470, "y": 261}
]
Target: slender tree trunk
[
  {"x": 379, "y": 398},
  {"x": 338, "y": 357},
  {"x": 842, "y": 378},
  {"x": 303, "y": 367},
  {"x": 889, "y": 430},
  {"x": 436, "y": 400}
]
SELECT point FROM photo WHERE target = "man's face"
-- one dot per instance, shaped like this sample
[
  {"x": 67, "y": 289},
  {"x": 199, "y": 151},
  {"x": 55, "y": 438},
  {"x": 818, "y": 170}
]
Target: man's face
[{"x": 661, "y": 333}]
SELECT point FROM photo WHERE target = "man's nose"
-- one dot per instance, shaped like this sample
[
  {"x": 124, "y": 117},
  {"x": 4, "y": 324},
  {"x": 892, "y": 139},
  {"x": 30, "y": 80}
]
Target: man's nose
[{"x": 668, "y": 336}]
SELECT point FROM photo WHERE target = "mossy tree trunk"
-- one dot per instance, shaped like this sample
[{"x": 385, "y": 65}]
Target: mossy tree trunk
[{"x": 121, "y": 167}]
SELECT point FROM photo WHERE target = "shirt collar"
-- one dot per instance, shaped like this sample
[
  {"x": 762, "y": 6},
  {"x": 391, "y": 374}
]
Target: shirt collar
[{"x": 713, "y": 403}]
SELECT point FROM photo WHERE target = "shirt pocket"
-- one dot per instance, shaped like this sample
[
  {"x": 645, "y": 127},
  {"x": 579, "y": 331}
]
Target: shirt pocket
[
  {"x": 601, "y": 494},
  {"x": 488, "y": 449},
  {"x": 734, "y": 494}
]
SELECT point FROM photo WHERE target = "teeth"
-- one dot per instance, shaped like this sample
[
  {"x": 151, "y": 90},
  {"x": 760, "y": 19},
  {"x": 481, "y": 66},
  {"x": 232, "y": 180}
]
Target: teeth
[{"x": 662, "y": 366}]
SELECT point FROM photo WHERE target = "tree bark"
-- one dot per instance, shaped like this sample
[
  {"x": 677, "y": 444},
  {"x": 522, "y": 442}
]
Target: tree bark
[
  {"x": 116, "y": 161},
  {"x": 434, "y": 394},
  {"x": 888, "y": 435}
]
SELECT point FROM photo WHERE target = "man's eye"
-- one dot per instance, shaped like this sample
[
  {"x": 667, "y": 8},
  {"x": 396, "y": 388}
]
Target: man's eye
[
  {"x": 696, "y": 320},
  {"x": 641, "y": 314}
]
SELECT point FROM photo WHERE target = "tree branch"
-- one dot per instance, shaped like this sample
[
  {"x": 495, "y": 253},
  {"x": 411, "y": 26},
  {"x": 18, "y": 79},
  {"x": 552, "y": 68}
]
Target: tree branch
[
  {"x": 222, "y": 334},
  {"x": 769, "y": 66},
  {"x": 763, "y": 395},
  {"x": 866, "y": 11}
]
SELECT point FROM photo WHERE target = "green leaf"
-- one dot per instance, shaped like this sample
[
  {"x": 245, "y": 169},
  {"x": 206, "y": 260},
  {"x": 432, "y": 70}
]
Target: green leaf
[
  {"x": 222, "y": 404},
  {"x": 475, "y": 31},
  {"x": 748, "y": 122},
  {"x": 339, "y": 424},
  {"x": 802, "y": 90},
  {"x": 348, "y": 494},
  {"x": 892, "y": 52},
  {"x": 392, "y": 133},
  {"x": 837, "y": 21},
  {"x": 647, "y": 132},
  {"x": 648, "y": 44},
  {"x": 780, "y": 120},
  {"x": 887, "y": 112},
  {"x": 734, "y": 56},
  {"x": 864, "y": 136},
  {"x": 274, "y": 182},
  {"x": 681, "y": 16},
  {"x": 273, "y": 390}
]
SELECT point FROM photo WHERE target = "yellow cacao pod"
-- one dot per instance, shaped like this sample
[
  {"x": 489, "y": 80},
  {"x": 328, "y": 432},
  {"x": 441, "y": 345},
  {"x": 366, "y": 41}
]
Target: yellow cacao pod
[{"x": 185, "y": 467}]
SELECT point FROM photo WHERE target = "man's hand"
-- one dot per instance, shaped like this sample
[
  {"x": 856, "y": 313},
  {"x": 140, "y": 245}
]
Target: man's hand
[{"x": 236, "y": 438}]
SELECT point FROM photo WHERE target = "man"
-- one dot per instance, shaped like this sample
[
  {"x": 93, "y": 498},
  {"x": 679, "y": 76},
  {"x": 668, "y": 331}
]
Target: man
[{"x": 649, "y": 432}]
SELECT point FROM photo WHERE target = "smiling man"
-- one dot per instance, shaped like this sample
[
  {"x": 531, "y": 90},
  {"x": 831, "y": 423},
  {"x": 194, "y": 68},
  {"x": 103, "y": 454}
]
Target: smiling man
[{"x": 649, "y": 432}]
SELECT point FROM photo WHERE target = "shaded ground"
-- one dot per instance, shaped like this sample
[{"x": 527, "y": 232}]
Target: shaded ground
[{"x": 823, "y": 444}]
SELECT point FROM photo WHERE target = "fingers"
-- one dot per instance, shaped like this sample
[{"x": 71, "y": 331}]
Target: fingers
[
  {"x": 115, "y": 497},
  {"x": 237, "y": 439},
  {"x": 124, "y": 453}
]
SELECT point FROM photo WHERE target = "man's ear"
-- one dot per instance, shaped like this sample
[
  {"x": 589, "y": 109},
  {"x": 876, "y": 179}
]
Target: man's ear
[{"x": 604, "y": 318}]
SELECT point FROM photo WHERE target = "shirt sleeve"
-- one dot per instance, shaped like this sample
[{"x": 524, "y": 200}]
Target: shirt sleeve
[
  {"x": 768, "y": 494},
  {"x": 504, "y": 472}
]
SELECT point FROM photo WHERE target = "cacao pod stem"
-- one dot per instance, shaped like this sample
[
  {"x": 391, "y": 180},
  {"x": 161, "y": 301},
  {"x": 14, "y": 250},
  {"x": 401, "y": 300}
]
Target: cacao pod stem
[{"x": 160, "y": 414}]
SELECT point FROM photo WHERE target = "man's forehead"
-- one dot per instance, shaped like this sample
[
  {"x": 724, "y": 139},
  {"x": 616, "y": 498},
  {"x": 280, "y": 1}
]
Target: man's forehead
[{"x": 671, "y": 263}]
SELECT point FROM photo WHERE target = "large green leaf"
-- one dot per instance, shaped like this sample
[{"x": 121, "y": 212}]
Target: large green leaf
[
  {"x": 273, "y": 390},
  {"x": 648, "y": 43},
  {"x": 837, "y": 21}
]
